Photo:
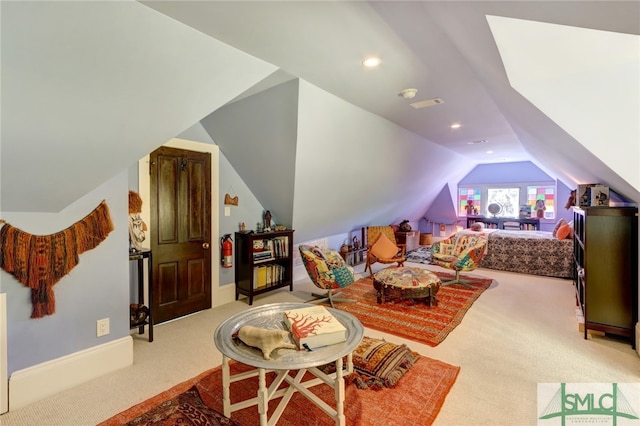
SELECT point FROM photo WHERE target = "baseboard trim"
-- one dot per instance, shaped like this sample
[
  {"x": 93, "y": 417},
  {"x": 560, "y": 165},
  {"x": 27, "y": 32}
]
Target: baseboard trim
[
  {"x": 49, "y": 378},
  {"x": 225, "y": 294}
]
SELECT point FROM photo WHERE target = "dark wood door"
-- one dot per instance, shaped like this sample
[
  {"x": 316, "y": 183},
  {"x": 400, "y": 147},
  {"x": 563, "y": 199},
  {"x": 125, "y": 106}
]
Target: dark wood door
[{"x": 181, "y": 232}]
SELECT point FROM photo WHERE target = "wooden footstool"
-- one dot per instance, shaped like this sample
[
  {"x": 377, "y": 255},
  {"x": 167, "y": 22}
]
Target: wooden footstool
[{"x": 407, "y": 283}]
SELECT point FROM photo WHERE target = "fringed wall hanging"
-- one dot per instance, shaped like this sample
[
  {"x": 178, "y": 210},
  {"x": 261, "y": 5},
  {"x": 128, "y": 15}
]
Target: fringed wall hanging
[{"x": 40, "y": 261}]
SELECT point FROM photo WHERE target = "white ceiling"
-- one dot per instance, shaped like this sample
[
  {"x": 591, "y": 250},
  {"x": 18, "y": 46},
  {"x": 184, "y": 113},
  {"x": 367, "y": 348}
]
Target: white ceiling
[
  {"x": 90, "y": 87},
  {"x": 444, "y": 49}
]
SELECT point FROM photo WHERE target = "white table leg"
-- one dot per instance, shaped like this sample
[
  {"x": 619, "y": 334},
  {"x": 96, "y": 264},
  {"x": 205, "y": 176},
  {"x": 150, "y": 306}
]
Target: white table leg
[
  {"x": 339, "y": 392},
  {"x": 226, "y": 381},
  {"x": 263, "y": 397}
]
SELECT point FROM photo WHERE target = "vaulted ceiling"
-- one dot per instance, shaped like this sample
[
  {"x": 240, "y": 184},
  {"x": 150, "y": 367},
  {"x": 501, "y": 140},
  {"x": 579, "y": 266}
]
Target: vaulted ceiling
[{"x": 90, "y": 87}]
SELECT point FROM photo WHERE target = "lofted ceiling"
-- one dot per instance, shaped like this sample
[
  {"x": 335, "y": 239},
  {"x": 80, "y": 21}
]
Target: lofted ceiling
[
  {"x": 443, "y": 49},
  {"x": 90, "y": 87}
]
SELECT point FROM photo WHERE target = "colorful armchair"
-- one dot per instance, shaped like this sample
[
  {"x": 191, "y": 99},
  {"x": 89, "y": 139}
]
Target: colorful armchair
[
  {"x": 328, "y": 271},
  {"x": 460, "y": 253}
]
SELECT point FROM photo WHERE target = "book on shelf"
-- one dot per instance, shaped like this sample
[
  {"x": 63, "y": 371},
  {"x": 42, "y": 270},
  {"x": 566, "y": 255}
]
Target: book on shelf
[
  {"x": 314, "y": 327},
  {"x": 267, "y": 275}
]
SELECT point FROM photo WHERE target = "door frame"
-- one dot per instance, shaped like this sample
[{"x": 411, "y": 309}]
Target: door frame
[{"x": 144, "y": 189}]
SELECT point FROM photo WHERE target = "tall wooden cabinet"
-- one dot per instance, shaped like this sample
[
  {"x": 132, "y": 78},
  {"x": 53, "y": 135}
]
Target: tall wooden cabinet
[
  {"x": 264, "y": 262},
  {"x": 606, "y": 272}
]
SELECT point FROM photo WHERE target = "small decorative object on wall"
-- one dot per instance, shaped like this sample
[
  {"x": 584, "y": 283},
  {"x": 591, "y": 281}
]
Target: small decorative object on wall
[
  {"x": 40, "y": 261},
  {"x": 137, "y": 227},
  {"x": 231, "y": 201}
]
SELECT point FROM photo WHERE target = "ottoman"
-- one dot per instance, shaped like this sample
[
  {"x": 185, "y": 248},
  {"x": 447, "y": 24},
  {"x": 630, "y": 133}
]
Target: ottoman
[{"x": 406, "y": 282}]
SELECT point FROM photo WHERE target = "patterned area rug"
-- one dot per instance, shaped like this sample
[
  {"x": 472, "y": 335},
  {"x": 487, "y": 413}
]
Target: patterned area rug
[
  {"x": 419, "y": 255},
  {"x": 415, "y": 400},
  {"x": 411, "y": 319}
]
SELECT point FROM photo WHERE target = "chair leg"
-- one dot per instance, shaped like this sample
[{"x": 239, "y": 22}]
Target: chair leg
[
  {"x": 330, "y": 297},
  {"x": 457, "y": 280}
]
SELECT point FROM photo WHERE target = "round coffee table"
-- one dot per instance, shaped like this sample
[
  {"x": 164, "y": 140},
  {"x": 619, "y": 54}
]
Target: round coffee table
[{"x": 406, "y": 282}]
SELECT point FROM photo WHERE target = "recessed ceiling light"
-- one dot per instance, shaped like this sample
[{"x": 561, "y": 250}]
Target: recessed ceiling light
[
  {"x": 456, "y": 125},
  {"x": 489, "y": 152},
  {"x": 371, "y": 61}
]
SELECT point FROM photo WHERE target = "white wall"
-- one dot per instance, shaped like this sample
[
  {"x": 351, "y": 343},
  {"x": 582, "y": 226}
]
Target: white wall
[{"x": 351, "y": 168}]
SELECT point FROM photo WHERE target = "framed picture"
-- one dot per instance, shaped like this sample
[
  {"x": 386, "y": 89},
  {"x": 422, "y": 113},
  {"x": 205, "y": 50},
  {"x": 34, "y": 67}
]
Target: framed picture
[{"x": 600, "y": 196}]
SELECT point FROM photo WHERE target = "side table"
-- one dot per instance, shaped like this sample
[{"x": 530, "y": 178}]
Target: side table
[
  {"x": 283, "y": 361},
  {"x": 139, "y": 256}
]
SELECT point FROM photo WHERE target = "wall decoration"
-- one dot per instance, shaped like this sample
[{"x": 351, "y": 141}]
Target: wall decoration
[
  {"x": 137, "y": 227},
  {"x": 40, "y": 261},
  {"x": 229, "y": 200}
]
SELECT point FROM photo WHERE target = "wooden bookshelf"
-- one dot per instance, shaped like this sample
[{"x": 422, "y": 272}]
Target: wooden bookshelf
[{"x": 263, "y": 262}]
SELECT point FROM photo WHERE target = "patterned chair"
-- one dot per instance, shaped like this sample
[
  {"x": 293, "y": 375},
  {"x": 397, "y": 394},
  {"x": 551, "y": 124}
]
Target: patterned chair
[
  {"x": 459, "y": 252},
  {"x": 382, "y": 247},
  {"x": 328, "y": 271}
]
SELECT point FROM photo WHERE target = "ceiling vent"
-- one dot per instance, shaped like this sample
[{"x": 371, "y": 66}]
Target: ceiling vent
[{"x": 427, "y": 103}]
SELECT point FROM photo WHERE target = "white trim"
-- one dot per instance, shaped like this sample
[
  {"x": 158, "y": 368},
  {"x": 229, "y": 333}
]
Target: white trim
[
  {"x": 4, "y": 381},
  {"x": 225, "y": 294},
  {"x": 49, "y": 378}
]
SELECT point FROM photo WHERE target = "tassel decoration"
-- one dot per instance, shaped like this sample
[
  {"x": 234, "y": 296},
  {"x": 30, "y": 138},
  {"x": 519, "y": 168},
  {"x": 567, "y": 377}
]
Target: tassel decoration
[{"x": 40, "y": 261}]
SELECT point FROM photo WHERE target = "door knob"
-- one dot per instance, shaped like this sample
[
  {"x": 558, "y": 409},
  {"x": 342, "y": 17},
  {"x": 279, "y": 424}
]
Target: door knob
[{"x": 205, "y": 246}]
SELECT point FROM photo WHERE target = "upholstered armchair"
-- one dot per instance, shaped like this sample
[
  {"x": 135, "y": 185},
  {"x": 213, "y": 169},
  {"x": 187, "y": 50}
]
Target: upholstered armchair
[
  {"x": 383, "y": 248},
  {"x": 459, "y": 252},
  {"x": 328, "y": 271}
]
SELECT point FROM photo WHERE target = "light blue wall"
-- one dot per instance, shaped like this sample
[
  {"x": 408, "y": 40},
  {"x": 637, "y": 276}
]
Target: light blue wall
[
  {"x": 98, "y": 287},
  {"x": 257, "y": 135},
  {"x": 249, "y": 210}
]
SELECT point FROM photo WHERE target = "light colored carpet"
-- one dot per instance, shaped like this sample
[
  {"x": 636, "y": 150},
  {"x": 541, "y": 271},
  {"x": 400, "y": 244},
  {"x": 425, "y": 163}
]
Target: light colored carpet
[{"x": 520, "y": 332}]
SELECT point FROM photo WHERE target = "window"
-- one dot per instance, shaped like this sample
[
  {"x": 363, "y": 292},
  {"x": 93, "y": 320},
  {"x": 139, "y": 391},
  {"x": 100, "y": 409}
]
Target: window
[
  {"x": 514, "y": 200},
  {"x": 508, "y": 200},
  {"x": 542, "y": 201},
  {"x": 469, "y": 197}
]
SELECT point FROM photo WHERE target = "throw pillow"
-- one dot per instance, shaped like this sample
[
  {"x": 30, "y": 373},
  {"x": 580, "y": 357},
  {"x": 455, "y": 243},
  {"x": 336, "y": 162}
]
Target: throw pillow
[
  {"x": 378, "y": 364},
  {"x": 477, "y": 226},
  {"x": 384, "y": 248},
  {"x": 558, "y": 225},
  {"x": 563, "y": 232}
]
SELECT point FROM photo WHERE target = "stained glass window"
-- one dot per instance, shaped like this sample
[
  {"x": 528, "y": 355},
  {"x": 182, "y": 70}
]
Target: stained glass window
[
  {"x": 541, "y": 200},
  {"x": 469, "y": 201}
]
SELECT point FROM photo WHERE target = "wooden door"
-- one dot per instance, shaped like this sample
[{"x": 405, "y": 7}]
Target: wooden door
[{"x": 181, "y": 232}]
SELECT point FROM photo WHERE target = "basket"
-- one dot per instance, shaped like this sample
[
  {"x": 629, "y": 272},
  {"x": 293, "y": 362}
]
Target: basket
[{"x": 426, "y": 239}]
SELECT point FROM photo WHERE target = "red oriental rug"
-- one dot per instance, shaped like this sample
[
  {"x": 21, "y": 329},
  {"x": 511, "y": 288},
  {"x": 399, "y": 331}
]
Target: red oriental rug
[
  {"x": 415, "y": 400},
  {"x": 410, "y": 319}
]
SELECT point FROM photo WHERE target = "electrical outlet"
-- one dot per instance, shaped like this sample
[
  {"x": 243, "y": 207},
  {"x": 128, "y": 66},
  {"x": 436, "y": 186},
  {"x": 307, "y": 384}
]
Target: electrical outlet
[{"x": 102, "y": 327}]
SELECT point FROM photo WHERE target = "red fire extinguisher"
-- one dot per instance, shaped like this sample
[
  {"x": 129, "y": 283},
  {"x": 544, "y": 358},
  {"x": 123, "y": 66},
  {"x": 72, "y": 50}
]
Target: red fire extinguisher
[{"x": 227, "y": 251}]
